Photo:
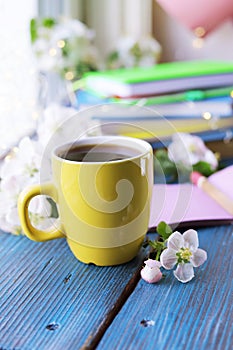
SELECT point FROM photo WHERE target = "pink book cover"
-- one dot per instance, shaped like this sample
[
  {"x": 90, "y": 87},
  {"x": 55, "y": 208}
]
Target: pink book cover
[{"x": 183, "y": 205}]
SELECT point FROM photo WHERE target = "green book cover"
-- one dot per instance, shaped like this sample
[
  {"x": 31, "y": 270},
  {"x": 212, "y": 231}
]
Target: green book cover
[
  {"x": 159, "y": 79},
  {"x": 162, "y": 71}
]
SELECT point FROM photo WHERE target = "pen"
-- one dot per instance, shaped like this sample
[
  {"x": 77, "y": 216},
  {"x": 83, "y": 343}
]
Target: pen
[{"x": 221, "y": 198}]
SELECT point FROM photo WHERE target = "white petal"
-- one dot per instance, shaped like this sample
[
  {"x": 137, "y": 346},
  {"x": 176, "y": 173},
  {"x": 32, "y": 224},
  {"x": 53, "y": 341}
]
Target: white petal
[
  {"x": 152, "y": 263},
  {"x": 40, "y": 205},
  {"x": 210, "y": 158},
  {"x": 30, "y": 153},
  {"x": 25, "y": 150},
  {"x": 184, "y": 272},
  {"x": 46, "y": 223},
  {"x": 191, "y": 239},
  {"x": 175, "y": 241},
  {"x": 151, "y": 275},
  {"x": 198, "y": 257},
  {"x": 168, "y": 258},
  {"x": 12, "y": 217},
  {"x": 193, "y": 158},
  {"x": 11, "y": 185},
  {"x": 5, "y": 225},
  {"x": 6, "y": 202},
  {"x": 11, "y": 167}
]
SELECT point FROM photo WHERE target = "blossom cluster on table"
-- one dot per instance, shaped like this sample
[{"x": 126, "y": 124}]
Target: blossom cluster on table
[
  {"x": 21, "y": 168},
  {"x": 174, "y": 249}
]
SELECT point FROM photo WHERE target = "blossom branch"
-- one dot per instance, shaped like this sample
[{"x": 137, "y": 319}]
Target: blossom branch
[{"x": 174, "y": 249}]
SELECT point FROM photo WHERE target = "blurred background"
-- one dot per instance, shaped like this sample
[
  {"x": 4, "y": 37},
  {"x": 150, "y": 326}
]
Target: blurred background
[
  {"x": 112, "y": 19},
  {"x": 118, "y": 33}
]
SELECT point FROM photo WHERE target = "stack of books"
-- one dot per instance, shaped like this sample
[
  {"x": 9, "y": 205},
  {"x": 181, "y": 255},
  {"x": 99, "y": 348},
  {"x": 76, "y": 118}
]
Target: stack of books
[{"x": 155, "y": 102}]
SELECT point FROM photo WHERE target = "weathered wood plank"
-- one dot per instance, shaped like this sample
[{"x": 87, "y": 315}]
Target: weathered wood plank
[
  {"x": 49, "y": 300},
  {"x": 197, "y": 315}
]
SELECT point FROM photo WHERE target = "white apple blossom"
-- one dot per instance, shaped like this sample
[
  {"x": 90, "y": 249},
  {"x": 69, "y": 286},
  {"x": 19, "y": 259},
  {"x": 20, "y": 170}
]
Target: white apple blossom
[
  {"x": 23, "y": 161},
  {"x": 40, "y": 211},
  {"x": 20, "y": 169},
  {"x": 183, "y": 250},
  {"x": 68, "y": 28},
  {"x": 189, "y": 150},
  {"x": 151, "y": 271},
  {"x": 64, "y": 46},
  {"x": 130, "y": 52},
  {"x": 10, "y": 189},
  {"x": 39, "y": 208}
]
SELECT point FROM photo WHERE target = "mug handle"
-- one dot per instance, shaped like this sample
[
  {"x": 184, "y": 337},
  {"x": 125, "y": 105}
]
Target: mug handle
[{"x": 23, "y": 202}]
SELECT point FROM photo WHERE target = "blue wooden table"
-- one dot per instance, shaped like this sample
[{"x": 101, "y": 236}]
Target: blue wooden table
[{"x": 49, "y": 300}]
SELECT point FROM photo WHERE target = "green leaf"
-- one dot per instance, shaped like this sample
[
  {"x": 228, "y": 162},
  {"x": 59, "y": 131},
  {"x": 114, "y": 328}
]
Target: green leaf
[
  {"x": 66, "y": 49},
  {"x": 161, "y": 154},
  {"x": 157, "y": 245},
  {"x": 113, "y": 56},
  {"x": 35, "y": 23},
  {"x": 48, "y": 22},
  {"x": 136, "y": 51},
  {"x": 164, "y": 166},
  {"x": 204, "y": 168},
  {"x": 164, "y": 230},
  {"x": 33, "y": 30}
]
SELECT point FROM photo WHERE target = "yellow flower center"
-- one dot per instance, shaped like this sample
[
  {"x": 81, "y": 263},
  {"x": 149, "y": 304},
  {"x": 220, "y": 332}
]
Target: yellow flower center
[
  {"x": 183, "y": 255},
  {"x": 192, "y": 148}
]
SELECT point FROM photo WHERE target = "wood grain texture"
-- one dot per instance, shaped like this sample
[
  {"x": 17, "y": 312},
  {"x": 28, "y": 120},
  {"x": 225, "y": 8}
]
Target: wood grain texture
[
  {"x": 196, "y": 315},
  {"x": 49, "y": 300}
]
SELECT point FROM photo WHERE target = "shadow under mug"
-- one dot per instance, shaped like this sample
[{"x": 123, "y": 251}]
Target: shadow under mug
[{"x": 102, "y": 187}]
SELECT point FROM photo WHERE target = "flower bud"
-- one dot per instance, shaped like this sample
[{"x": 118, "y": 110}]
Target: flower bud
[{"x": 151, "y": 271}]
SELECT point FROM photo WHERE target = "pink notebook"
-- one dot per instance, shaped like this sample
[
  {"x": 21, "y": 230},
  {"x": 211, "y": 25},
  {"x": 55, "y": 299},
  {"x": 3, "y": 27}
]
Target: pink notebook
[{"x": 184, "y": 205}]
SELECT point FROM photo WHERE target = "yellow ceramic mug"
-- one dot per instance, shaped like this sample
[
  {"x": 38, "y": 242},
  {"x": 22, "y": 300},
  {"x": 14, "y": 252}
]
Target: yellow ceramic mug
[{"x": 102, "y": 186}]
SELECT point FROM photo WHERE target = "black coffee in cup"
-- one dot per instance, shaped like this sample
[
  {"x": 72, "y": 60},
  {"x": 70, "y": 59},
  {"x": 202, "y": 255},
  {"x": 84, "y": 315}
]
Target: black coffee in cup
[{"x": 98, "y": 153}]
